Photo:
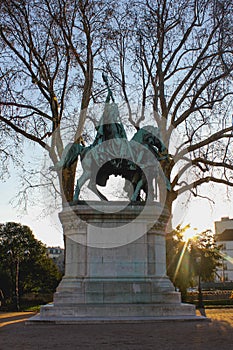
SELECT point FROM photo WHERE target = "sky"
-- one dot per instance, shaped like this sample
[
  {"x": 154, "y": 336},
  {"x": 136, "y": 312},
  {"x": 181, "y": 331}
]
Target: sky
[
  {"x": 200, "y": 213},
  {"x": 46, "y": 228}
]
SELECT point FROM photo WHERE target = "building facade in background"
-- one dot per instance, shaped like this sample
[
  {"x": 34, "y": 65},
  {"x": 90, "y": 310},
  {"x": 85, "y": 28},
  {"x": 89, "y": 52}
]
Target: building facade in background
[
  {"x": 224, "y": 238},
  {"x": 57, "y": 255}
]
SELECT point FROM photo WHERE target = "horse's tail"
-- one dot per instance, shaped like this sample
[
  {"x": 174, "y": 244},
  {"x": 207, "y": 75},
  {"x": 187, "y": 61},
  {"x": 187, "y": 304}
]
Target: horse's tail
[{"x": 71, "y": 154}]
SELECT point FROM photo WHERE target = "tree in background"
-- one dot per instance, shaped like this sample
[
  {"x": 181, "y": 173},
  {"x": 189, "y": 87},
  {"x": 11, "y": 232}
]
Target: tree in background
[
  {"x": 179, "y": 267},
  {"x": 204, "y": 246},
  {"x": 192, "y": 261},
  {"x": 24, "y": 265},
  {"x": 206, "y": 258},
  {"x": 180, "y": 60},
  {"x": 170, "y": 63},
  {"x": 48, "y": 57}
]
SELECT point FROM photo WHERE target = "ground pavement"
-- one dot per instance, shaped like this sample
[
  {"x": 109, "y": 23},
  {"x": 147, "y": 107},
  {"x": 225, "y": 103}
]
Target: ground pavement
[{"x": 188, "y": 335}]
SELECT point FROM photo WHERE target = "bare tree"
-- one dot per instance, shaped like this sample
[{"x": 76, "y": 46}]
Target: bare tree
[
  {"x": 177, "y": 60},
  {"x": 47, "y": 70},
  {"x": 173, "y": 59}
]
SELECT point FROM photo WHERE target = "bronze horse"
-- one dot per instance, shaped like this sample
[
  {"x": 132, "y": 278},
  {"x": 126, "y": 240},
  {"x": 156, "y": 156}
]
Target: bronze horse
[{"x": 112, "y": 154}]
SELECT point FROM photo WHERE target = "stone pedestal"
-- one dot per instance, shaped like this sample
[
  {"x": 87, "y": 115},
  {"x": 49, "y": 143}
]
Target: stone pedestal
[{"x": 115, "y": 268}]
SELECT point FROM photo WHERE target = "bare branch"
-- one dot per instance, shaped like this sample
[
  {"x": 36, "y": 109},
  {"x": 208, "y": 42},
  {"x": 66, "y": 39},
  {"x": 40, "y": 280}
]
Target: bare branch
[
  {"x": 203, "y": 180},
  {"x": 24, "y": 133},
  {"x": 214, "y": 137}
]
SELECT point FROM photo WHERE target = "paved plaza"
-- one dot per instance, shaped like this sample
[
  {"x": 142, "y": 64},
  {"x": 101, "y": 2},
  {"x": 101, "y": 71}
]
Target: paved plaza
[{"x": 217, "y": 334}]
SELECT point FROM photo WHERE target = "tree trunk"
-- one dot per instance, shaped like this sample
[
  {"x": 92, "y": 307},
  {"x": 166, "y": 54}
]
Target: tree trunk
[
  {"x": 68, "y": 183},
  {"x": 17, "y": 285},
  {"x": 171, "y": 196}
]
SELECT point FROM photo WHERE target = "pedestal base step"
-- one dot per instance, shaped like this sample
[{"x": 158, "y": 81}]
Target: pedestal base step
[{"x": 121, "y": 313}]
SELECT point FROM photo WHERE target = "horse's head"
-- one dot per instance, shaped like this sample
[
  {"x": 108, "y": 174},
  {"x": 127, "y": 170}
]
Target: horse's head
[
  {"x": 152, "y": 136},
  {"x": 153, "y": 130}
]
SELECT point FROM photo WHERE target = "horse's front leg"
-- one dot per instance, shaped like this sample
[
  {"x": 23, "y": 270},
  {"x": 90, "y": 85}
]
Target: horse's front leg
[
  {"x": 137, "y": 190},
  {"x": 150, "y": 192},
  {"x": 80, "y": 182}
]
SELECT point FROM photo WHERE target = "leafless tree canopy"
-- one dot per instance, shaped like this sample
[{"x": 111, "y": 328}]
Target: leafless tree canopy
[{"x": 169, "y": 62}]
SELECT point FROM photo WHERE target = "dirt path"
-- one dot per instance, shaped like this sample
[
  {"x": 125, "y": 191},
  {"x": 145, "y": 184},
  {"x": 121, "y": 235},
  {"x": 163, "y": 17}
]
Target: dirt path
[{"x": 218, "y": 334}]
